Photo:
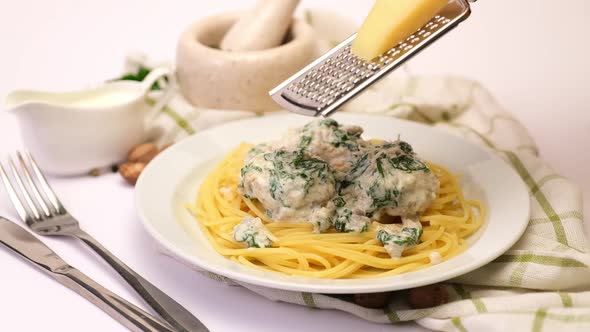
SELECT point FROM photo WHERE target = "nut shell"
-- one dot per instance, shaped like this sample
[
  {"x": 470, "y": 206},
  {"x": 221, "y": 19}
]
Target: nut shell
[
  {"x": 372, "y": 300},
  {"x": 143, "y": 153},
  {"x": 428, "y": 296},
  {"x": 130, "y": 171}
]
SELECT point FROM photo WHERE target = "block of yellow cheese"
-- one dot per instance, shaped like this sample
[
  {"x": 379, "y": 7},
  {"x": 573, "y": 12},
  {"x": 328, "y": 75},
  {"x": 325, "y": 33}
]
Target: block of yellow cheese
[{"x": 391, "y": 22}]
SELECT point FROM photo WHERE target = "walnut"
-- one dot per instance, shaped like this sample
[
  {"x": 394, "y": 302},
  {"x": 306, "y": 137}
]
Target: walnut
[
  {"x": 373, "y": 300},
  {"x": 143, "y": 153},
  {"x": 428, "y": 296},
  {"x": 130, "y": 171}
]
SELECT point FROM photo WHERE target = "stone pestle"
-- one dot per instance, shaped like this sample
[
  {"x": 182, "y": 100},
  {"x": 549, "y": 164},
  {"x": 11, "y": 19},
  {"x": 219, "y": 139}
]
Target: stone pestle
[{"x": 262, "y": 28}]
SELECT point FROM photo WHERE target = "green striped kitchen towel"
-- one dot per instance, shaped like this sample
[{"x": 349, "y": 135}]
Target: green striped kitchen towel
[{"x": 541, "y": 284}]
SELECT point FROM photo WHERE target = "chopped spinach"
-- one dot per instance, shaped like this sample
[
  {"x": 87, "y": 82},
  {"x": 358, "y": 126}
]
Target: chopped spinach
[
  {"x": 379, "y": 162},
  {"x": 408, "y": 236},
  {"x": 342, "y": 138},
  {"x": 322, "y": 224},
  {"x": 387, "y": 145},
  {"x": 304, "y": 142},
  {"x": 414, "y": 233},
  {"x": 346, "y": 221},
  {"x": 364, "y": 229},
  {"x": 382, "y": 196},
  {"x": 248, "y": 168},
  {"x": 250, "y": 240},
  {"x": 359, "y": 167},
  {"x": 406, "y": 148},
  {"x": 339, "y": 201},
  {"x": 330, "y": 123},
  {"x": 285, "y": 166},
  {"x": 339, "y": 136},
  {"x": 342, "y": 219},
  {"x": 258, "y": 149},
  {"x": 408, "y": 163},
  {"x": 243, "y": 173},
  {"x": 252, "y": 232},
  {"x": 310, "y": 169},
  {"x": 275, "y": 187}
]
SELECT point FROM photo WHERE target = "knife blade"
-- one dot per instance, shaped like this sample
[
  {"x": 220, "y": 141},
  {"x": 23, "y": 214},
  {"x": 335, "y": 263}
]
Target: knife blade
[
  {"x": 33, "y": 250},
  {"x": 26, "y": 245}
]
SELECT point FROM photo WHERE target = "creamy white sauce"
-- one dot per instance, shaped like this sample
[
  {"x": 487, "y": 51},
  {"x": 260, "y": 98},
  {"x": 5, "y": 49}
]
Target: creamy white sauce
[
  {"x": 435, "y": 258},
  {"x": 327, "y": 174},
  {"x": 321, "y": 218},
  {"x": 103, "y": 99},
  {"x": 393, "y": 250},
  {"x": 226, "y": 192},
  {"x": 397, "y": 237},
  {"x": 410, "y": 192},
  {"x": 358, "y": 223},
  {"x": 318, "y": 141},
  {"x": 252, "y": 231},
  {"x": 287, "y": 190}
]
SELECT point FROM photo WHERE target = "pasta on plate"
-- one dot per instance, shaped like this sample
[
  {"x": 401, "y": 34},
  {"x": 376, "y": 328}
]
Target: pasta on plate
[{"x": 323, "y": 203}]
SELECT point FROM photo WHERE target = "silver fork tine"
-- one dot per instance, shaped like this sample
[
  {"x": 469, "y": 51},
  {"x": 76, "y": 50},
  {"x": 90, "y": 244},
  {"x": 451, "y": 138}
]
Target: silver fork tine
[
  {"x": 61, "y": 223},
  {"x": 33, "y": 186},
  {"x": 24, "y": 191},
  {"x": 20, "y": 209},
  {"x": 49, "y": 193}
]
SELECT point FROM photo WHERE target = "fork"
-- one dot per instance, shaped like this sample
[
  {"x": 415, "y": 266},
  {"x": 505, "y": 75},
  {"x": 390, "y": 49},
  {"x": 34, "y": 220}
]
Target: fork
[{"x": 39, "y": 207}]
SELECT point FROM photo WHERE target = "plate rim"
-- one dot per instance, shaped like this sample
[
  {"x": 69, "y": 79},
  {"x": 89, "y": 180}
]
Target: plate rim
[{"x": 194, "y": 262}]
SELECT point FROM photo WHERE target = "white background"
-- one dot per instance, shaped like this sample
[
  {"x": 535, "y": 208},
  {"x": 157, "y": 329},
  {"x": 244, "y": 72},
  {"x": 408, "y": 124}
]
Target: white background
[{"x": 531, "y": 54}]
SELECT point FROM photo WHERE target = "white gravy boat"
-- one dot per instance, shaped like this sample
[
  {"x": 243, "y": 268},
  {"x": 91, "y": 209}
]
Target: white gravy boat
[{"x": 70, "y": 133}]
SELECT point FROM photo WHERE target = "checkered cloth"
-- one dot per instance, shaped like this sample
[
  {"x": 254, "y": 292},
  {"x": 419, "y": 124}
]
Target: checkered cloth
[{"x": 541, "y": 284}]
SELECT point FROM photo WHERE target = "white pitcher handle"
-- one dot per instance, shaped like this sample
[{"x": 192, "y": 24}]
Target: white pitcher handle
[{"x": 166, "y": 88}]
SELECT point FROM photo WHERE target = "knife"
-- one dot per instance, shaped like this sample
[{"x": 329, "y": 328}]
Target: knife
[{"x": 29, "y": 247}]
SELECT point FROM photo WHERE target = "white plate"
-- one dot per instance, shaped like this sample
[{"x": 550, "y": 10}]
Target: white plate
[{"x": 173, "y": 178}]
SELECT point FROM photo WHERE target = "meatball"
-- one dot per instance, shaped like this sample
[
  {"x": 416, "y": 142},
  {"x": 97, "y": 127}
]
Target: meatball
[
  {"x": 389, "y": 178},
  {"x": 326, "y": 140},
  {"x": 289, "y": 184}
]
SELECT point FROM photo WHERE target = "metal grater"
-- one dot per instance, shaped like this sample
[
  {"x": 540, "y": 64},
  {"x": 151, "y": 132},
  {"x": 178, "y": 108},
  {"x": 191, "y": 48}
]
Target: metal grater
[{"x": 336, "y": 77}]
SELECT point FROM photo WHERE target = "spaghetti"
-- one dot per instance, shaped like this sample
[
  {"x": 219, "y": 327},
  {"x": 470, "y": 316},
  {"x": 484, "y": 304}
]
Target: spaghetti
[{"x": 298, "y": 251}]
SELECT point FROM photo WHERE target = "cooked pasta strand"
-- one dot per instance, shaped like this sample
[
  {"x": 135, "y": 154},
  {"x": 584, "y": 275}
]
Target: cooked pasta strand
[{"x": 301, "y": 252}]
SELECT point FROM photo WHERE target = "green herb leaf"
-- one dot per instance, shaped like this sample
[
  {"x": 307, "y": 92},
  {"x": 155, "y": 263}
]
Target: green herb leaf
[
  {"x": 304, "y": 142},
  {"x": 408, "y": 236},
  {"x": 408, "y": 163},
  {"x": 341, "y": 219},
  {"x": 139, "y": 76},
  {"x": 406, "y": 148},
  {"x": 382, "y": 197},
  {"x": 359, "y": 167},
  {"x": 339, "y": 201}
]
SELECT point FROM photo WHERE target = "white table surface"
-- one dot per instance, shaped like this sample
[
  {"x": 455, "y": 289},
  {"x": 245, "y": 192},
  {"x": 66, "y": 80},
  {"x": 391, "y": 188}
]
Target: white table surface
[{"x": 529, "y": 53}]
